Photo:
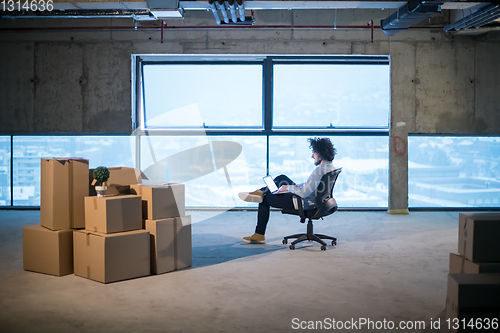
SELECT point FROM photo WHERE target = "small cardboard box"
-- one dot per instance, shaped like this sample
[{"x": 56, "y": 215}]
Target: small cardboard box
[
  {"x": 63, "y": 187},
  {"x": 119, "y": 180},
  {"x": 478, "y": 237},
  {"x": 171, "y": 246},
  {"x": 47, "y": 251},
  {"x": 111, "y": 257},
  {"x": 459, "y": 264},
  {"x": 160, "y": 201},
  {"x": 111, "y": 214}
]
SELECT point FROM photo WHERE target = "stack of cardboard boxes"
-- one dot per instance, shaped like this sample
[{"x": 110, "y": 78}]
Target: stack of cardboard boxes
[
  {"x": 103, "y": 238},
  {"x": 113, "y": 246},
  {"x": 48, "y": 247},
  {"x": 474, "y": 279},
  {"x": 163, "y": 213}
]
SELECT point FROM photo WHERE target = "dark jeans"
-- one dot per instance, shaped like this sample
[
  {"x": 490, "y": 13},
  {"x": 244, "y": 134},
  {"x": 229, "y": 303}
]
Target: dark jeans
[{"x": 282, "y": 200}]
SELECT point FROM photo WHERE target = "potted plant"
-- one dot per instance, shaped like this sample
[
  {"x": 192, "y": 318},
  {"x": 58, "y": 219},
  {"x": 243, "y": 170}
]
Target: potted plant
[{"x": 101, "y": 176}]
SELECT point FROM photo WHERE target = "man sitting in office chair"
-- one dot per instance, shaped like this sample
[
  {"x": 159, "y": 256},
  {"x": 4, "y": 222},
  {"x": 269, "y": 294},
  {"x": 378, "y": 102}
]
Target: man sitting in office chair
[{"x": 323, "y": 154}]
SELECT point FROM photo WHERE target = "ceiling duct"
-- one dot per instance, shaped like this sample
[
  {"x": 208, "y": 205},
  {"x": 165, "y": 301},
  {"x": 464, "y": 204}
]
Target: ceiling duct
[
  {"x": 410, "y": 14},
  {"x": 479, "y": 18},
  {"x": 165, "y": 9}
]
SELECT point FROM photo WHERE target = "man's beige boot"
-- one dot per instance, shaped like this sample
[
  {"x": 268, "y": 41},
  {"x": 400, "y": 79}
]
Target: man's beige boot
[
  {"x": 255, "y": 239},
  {"x": 255, "y": 196}
]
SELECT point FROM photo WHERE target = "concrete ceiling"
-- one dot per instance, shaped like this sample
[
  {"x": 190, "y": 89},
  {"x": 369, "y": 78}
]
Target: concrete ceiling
[
  {"x": 138, "y": 9},
  {"x": 249, "y": 4}
]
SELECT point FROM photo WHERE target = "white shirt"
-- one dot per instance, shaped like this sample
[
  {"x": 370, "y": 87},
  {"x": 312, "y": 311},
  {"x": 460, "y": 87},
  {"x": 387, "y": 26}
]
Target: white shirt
[{"x": 307, "y": 190}]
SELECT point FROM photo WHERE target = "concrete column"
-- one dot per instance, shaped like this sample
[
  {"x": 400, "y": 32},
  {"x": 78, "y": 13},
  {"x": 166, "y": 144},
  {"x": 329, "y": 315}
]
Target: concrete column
[{"x": 403, "y": 82}]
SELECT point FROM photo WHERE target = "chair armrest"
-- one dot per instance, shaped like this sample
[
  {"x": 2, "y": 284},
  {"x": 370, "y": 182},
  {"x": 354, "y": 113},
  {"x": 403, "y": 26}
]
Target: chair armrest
[{"x": 302, "y": 214}]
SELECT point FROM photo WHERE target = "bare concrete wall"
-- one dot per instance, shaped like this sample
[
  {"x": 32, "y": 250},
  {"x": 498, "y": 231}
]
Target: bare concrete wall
[{"x": 80, "y": 81}]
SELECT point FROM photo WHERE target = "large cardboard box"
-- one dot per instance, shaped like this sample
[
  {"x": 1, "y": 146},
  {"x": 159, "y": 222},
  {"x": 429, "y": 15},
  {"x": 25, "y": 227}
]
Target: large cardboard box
[
  {"x": 119, "y": 181},
  {"x": 161, "y": 201},
  {"x": 473, "y": 291},
  {"x": 47, "y": 251},
  {"x": 111, "y": 257},
  {"x": 162, "y": 245},
  {"x": 459, "y": 264},
  {"x": 472, "y": 296},
  {"x": 183, "y": 242},
  {"x": 63, "y": 187},
  {"x": 478, "y": 237},
  {"x": 111, "y": 214},
  {"x": 171, "y": 246}
]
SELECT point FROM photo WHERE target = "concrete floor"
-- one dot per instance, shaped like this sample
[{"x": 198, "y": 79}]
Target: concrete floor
[{"x": 384, "y": 267}]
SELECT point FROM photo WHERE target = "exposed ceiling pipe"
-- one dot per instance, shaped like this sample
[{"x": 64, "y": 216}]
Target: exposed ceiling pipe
[
  {"x": 211, "y": 3},
  {"x": 232, "y": 8},
  {"x": 72, "y": 13},
  {"x": 241, "y": 9},
  {"x": 221, "y": 6},
  {"x": 370, "y": 24},
  {"x": 156, "y": 28}
]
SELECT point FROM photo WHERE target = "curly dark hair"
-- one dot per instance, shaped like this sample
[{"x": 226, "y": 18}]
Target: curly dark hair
[{"x": 324, "y": 147}]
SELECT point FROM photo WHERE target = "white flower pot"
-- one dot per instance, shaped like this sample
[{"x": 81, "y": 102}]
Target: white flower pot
[{"x": 101, "y": 190}]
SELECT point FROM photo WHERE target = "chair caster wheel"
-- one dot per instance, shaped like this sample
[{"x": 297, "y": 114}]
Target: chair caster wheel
[
  {"x": 334, "y": 243},
  {"x": 323, "y": 248},
  {"x": 292, "y": 247},
  {"x": 284, "y": 241}
]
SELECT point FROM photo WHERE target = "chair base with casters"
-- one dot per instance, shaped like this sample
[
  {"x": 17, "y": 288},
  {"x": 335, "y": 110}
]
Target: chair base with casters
[{"x": 309, "y": 236}]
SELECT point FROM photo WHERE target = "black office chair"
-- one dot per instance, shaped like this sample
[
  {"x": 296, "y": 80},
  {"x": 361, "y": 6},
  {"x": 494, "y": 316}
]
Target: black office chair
[{"x": 325, "y": 205}]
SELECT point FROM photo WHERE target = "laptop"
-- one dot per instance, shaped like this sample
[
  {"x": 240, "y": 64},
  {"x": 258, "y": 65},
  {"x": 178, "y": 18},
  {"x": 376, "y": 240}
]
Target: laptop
[{"x": 270, "y": 184}]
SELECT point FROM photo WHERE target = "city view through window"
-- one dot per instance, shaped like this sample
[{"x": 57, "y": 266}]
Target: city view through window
[
  {"x": 443, "y": 171},
  {"x": 450, "y": 171}
]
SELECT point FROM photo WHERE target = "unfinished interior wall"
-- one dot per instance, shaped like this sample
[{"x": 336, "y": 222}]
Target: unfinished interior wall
[{"x": 79, "y": 81}]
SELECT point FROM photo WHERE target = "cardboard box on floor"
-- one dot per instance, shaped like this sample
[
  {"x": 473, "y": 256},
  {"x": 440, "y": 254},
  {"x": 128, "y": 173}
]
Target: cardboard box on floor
[
  {"x": 119, "y": 181},
  {"x": 473, "y": 292},
  {"x": 459, "y": 264},
  {"x": 111, "y": 257},
  {"x": 47, "y": 251},
  {"x": 171, "y": 247},
  {"x": 478, "y": 237},
  {"x": 472, "y": 296},
  {"x": 63, "y": 187},
  {"x": 160, "y": 201},
  {"x": 112, "y": 214}
]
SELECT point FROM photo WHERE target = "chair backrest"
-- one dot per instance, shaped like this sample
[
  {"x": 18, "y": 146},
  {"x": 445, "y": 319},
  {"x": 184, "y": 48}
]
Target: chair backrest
[{"x": 325, "y": 203}]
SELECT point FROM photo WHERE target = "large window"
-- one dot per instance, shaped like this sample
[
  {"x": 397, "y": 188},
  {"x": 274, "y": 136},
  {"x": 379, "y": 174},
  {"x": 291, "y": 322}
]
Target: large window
[
  {"x": 5, "y": 156},
  {"x": 201, "y": 95},
  {"x": 190, "y": 108},
  {"x": 336, "y": 95},
  {"x": 451, "y": 171}
]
